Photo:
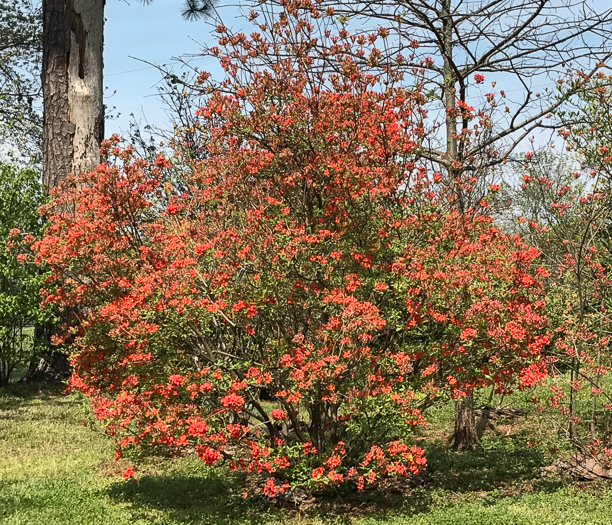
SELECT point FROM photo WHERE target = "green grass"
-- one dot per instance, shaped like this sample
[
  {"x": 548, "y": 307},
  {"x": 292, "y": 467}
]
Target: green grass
[{"x": 53, "y": 470}]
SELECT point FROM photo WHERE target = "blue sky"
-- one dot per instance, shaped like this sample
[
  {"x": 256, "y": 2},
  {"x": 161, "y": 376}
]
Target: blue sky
[{"x": 156, "y": 33}]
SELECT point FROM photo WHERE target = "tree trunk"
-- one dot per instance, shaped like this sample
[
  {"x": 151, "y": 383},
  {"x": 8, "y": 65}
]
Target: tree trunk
[
  {"x": 73, "y": 111},
  {"x": 465, "y": 436},
  {"x": 48, "y": 367}
]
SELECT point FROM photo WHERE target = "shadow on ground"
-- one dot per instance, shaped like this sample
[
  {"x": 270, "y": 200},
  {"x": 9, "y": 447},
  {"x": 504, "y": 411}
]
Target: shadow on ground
[
  {"x": 14, "y": 394},
  {"x": 194, "y": 499},
  {"x": 486, "y": 476},
  {"x": 508, "y": 462},
  {"x": 24, "y": 402}
]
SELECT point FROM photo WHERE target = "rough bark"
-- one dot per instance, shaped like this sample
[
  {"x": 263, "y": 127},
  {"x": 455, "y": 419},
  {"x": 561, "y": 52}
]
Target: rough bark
[
  {"x": 48, "y": 367},
  {"x": 73, "y": 118},
  {"x": 465, "y": 436},
  {"x": 73, "y": 112}
]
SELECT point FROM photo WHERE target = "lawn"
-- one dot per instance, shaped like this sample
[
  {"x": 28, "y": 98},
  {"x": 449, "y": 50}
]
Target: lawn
[{"x": 55, "y": 470}]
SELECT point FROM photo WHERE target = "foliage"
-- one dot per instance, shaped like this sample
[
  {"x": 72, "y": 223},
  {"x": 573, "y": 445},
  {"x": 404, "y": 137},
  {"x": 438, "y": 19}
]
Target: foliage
[
  {"x": 20, "y": 197},
  {"x": 275, "y": 309},
  {"x": 567, "y": 215},
  {"x": 20, "y": 90}
]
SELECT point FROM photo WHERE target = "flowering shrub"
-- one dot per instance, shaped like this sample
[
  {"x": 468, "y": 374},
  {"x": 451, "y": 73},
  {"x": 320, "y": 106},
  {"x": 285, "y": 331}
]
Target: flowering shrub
[
  {"x": 475, "y": 303},
  {"x": 271, "y": 311},
  {"x": 567, "y": 214}
]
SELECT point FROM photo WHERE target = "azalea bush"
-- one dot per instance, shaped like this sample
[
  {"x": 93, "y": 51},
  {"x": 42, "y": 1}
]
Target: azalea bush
[
  {"x": 566, "y": 213},
  {"x": 285, "y": 304}
]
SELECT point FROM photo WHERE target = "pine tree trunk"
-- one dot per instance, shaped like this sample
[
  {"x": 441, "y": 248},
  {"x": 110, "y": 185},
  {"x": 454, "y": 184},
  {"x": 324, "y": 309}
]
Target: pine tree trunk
[
  {"x": 73, "y": 119},
  {"x": 73, "y": 113},
  {"x": 465, "y": 436}
]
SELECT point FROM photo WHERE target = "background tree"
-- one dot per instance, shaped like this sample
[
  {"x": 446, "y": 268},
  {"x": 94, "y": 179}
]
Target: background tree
[
  {"x": 457, "y": 47},
  {"x": 20, "y": 196},
  {"x": 72, "y": 74},
  {"x": 73, "y": 120},
  {"x": 564, "y": 208},
  {"x": 20, "y": 88}
]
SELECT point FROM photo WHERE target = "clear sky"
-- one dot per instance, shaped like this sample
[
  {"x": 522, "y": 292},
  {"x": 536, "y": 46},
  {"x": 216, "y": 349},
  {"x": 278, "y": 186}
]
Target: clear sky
[{"x": 156, "y": 33}]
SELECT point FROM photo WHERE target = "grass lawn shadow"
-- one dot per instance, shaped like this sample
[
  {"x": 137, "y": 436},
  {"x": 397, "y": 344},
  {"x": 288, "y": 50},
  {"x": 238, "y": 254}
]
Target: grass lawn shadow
[
  {"x": 15, "y": 394},
  {"x": 213, "y": 498},
  {"x": 508, "y": 463}
]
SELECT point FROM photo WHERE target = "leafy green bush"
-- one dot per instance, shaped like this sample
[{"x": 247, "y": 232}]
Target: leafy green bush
[{"x": 20, "y": 196}]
